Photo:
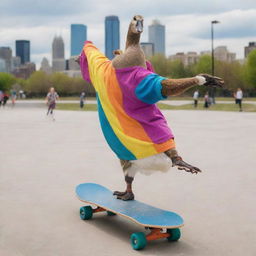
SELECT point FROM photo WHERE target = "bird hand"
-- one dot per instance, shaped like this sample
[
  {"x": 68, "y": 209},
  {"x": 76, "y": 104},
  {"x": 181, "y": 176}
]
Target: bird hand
[{"x": 208, "y": 80}]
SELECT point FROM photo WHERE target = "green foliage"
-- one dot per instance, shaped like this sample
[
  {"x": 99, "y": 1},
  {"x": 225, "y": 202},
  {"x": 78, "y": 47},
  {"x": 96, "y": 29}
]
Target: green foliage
[
  {"x": 232, "y": 73},
  {"x": 204, "y": 65},
  {"x": 168, "y": 68},
  {"x": 160, "y": 64},
  {"x": 250, "y": 73},
  {"x": 39, "y": 83},
  {"x": 6, "y": 81}
]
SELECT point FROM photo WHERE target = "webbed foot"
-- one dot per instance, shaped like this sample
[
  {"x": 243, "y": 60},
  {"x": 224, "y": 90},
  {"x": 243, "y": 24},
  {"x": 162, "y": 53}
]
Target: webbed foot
[
  {"x": 125, "y": 196},
  {"x": 182, "y": 165},
  {"x": 118, "y": 193}
]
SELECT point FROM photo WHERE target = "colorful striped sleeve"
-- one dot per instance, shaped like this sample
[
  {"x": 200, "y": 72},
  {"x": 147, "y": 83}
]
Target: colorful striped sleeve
[
  {"x": 91, "y": 54},
  {"x": 149, "y": 89}
]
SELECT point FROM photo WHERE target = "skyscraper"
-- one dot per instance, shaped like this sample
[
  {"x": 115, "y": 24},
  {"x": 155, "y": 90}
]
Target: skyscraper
[
  {"x": 148, "y": 49},
  {"x": 58, "y": 48},
  {"x": 78, "y": 37},
  {"x": 112, "y": 35},
  {"x": 23, "y": 50},
  {"x": 6, "y": 55},
  {"x": 157, "y": 37},
  {"x": 58, "y": 56},
  {"x": 247, "y": 49}
]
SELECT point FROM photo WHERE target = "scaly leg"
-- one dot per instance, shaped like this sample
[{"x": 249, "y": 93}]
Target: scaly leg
[{"x": 127, "y": 194}]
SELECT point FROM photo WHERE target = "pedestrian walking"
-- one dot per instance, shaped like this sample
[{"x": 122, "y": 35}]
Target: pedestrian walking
[
  {"x": 51, "y": 99},
  {"x": 1, "y": 98},
  {"x": 195, "y": 97},
  {"x": 239, "y": 98},
  {"x": 82, "y": 99},
  {"x": 206, "y": 100}
]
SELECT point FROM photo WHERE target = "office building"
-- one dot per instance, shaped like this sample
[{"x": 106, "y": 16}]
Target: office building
[
  {"x": 15, "y": 62},
  {"x": 221, "y": 53},
  {"x": 186, "y": 59},
  {"x": 25, "y": 70},
  {"x": 247, "y": 49},
  {"x": 58, "y": 55},
  {"x": 148, "y": 49},
  {"x": 2, "y": 65},
  {"x": 23, "y": 50},
  {"x": 156, "y": 35},
  {"x": 6, "y": 56},
  {"x": 112, "y": 35},
  {"x": 78, "y": 37},
  {"x": 58, "y": 48},
  {"x": 45, "y": 66}
]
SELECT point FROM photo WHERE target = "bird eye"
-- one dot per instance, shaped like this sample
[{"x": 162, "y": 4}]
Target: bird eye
[{"x": 134, "y": 18}]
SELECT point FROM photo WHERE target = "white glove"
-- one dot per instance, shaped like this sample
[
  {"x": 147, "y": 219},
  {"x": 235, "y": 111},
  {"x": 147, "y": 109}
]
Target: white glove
[{"x": 201, "y": 80}]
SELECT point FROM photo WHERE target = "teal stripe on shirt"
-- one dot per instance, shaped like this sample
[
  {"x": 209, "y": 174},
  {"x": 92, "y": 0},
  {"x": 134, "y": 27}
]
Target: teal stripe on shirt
[
  {"x": 149, "y": 89},
  {"x": 116, "y": 145}
]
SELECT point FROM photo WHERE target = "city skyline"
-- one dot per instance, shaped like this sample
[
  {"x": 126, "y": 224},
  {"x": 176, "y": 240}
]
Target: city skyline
[{"x": 187, "y": 28}]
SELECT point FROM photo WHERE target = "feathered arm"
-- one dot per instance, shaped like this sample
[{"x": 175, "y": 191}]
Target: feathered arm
[{"x": 172, "y": 87}]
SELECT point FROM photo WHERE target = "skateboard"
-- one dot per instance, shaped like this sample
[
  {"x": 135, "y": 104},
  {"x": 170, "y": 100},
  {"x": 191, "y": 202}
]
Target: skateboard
[{"x": 160, "y": 223}]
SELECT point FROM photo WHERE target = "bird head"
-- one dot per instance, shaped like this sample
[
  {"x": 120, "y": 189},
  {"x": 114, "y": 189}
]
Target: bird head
[{"x": 137, "y": 24}]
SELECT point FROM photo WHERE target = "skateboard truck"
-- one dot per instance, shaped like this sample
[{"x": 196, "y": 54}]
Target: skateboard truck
[{"x": 156, "y": 233}]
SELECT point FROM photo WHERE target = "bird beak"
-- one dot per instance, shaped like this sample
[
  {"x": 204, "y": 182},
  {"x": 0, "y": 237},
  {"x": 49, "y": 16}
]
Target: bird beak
[{"x": 139, "y": 26}]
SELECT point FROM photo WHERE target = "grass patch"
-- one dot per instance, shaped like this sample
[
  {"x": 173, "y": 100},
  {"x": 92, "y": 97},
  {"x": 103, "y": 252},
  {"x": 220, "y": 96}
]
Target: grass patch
[
  {"x": 76, "y": 107},
  {"x": 216, "y": 107}
]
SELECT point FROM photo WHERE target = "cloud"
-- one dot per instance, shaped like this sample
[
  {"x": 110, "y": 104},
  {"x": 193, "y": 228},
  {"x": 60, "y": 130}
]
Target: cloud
[
  {"x": 233, "y": 24},
  {"x": 40, "y": 8},
  {"x": 187, "y": 22}
]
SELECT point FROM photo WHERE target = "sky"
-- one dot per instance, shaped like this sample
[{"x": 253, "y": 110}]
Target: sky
[{"x": 188, "y": 23}]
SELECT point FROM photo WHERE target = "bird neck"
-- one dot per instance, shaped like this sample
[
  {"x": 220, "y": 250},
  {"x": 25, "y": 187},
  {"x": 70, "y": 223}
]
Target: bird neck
[{"x": 132, "y": 38}]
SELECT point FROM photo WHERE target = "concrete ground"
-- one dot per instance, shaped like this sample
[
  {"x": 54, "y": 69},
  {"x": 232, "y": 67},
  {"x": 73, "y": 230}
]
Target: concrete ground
[{"x": 42, "y": 161}]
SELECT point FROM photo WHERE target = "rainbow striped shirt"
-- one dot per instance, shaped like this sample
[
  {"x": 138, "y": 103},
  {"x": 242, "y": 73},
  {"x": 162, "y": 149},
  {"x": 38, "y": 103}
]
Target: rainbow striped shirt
[{"x": 132, "y": 124}]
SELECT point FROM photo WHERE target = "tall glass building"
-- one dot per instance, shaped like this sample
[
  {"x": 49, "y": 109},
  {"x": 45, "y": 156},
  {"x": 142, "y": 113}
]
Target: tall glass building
[
  {"x": 78, "y": 37},
  {"x": 112, "y": 35},
  {"x": 157, "y": 37},
  {"x": 23, "y": 50}
]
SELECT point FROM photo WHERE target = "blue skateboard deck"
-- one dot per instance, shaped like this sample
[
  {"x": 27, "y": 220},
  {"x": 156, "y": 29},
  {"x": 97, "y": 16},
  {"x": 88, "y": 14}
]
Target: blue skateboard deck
[{"x": 141, "y": 213}]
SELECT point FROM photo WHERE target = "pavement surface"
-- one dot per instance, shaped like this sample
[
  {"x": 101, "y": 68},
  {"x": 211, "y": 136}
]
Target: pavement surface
[{"x": 42, "y": 161}]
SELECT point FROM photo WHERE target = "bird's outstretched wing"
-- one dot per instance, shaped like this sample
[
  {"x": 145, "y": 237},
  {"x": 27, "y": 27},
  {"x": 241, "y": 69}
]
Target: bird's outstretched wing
[{"x": 213, "y": 81}]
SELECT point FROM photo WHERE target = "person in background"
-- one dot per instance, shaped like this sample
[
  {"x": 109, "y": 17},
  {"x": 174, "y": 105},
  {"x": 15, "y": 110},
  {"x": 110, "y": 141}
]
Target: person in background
[
  {"x": 5, "y": 99},
  {"x": 82, "y": 99},
  {"x": 51, "y": 98},
  {"x": 239, "y": 98},
  {"x": 195, "y": 97},
  {"x": 13, "y": 97},
  {"x": 206, "y": 100},
  {"x": 1, "y": 98}
]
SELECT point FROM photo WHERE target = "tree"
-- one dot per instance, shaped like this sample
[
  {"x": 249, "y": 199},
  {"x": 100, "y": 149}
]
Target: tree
[
  {"x": 6, "y": 81},
  {"x": 233, "y": 75},
  {"x": 204, "y": 65},
  {"x": 37, "y": 84},
  {"x": 160, "y": 64},
  {"x": 250, "y": 73},
  {"x": 62, "y": 83}
]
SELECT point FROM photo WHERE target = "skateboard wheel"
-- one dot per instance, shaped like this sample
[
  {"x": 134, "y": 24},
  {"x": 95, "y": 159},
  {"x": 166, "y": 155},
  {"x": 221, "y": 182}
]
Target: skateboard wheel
[
  {"x": 174, "y": 234},
  {"x": 110, "y": 213},
  {"x": 86, "y": 212},
  {"x": 138, "y": 240}
]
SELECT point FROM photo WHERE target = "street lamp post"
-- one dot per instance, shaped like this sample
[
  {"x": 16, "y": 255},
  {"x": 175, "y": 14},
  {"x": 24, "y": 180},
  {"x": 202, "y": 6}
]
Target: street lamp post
[{"x": 212, "y": 94}]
